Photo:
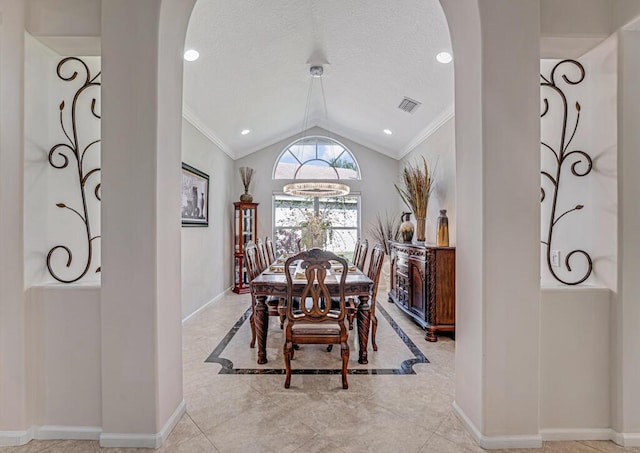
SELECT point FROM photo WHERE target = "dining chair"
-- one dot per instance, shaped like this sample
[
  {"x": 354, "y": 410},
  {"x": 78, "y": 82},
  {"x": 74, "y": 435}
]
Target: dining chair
[
  {"x": 262, "y": 258},
  {"x": 271, "y": 253},
  {"x": 375, "y": 270},
  {"x": 274, "y": 304},
  {"x": 312, "y": 321},
  {"x": 356, "y": 250},
  {"x": 361, "y": 254}
]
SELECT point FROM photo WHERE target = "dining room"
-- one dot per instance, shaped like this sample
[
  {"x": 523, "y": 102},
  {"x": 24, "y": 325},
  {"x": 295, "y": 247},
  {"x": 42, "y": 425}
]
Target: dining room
[{"x": 310, "y": 126}]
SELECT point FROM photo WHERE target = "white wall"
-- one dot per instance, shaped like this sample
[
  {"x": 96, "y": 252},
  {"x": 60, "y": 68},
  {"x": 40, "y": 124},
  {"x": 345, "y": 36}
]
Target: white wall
[
  {"x": 207, "y": 262},
  {"x": 378, "y": 173},
  {"x": 624, "y": 11},
  {"x": 64, "y": 360},
  {"x": 626, "y": 310},
  {"x": 47, "y": 225},
  {"x": 439, "y": 151},
  {"x": 575, "y": 363},
  {"x": 13, "y": 413}
]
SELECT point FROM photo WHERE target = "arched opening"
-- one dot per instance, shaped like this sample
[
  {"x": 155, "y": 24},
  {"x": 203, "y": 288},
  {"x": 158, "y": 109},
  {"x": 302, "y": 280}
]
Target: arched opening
[{"x": 471, "y": 141}]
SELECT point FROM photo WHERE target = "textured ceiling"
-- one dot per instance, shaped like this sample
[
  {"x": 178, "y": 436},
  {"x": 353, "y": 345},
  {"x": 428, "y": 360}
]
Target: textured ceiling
[{"x": 253, "y": 70}]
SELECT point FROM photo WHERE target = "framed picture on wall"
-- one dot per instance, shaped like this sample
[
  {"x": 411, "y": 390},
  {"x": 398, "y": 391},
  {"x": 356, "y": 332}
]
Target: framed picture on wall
[{"x": 195, "y": 197}]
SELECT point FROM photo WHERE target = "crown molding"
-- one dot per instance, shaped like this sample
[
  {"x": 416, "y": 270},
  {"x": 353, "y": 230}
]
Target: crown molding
[
  {"x": 431, "y": 128},
  {"x": 195, "y": 121}
]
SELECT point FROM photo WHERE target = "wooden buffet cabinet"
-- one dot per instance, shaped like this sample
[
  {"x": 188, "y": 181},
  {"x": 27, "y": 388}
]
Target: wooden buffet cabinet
[{"x": 423, "y": 285}]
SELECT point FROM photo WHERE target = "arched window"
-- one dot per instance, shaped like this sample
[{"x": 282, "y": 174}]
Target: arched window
[
  {"x": 338, "y": 217},
  {"x": 316, "y": 158}
]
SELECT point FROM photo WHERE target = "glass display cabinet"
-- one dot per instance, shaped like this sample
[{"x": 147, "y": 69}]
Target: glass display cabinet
[{"x": 245, "y": 229}]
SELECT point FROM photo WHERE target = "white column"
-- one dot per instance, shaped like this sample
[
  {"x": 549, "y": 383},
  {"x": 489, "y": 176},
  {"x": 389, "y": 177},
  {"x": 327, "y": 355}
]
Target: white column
[
  {"x": 13, "y": 395},
  {"x": 626, "y": 316},
  {"x": 498, "y": 164},
  {"x": 141, "y": 334}
]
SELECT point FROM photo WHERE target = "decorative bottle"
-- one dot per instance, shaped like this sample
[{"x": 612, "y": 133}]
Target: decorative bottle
[
  {"x": 443, "y": 229},
  {"x": 406, "y": 227}
]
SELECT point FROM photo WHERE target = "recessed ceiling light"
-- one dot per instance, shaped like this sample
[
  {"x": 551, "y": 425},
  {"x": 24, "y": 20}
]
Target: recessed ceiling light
[
  {"x": 245, "y": 131},
  {"x": 191, "y": 55},
  {"x": 387, "y": 131},
  {"x": 444, "y": 57}
]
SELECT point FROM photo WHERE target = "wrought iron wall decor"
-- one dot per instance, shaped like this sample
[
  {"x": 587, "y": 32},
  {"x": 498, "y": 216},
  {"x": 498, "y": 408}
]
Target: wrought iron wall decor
[
  {"x": 59, "y": 158},
  {"x": 562, "y": 155}
]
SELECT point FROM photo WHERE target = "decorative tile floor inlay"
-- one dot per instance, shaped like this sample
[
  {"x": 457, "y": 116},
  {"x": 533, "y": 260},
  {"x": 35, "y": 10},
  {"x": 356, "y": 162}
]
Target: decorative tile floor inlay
[{"x": 396, "y": 353}]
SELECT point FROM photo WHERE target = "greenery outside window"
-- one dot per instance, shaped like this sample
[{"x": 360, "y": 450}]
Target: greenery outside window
[{"x": 330, "y": 223}]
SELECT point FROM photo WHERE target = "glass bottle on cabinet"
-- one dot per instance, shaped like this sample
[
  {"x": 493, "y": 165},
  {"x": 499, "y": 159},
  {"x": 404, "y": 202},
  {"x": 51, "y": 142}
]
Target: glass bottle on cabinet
[{"x": 245, "y": 228}]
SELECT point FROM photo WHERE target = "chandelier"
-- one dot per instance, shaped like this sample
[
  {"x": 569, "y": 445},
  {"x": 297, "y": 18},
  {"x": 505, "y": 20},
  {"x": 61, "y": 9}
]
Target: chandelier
[
  {"x": 320, "y": 188},
  {"x": 317, "y": 189}
]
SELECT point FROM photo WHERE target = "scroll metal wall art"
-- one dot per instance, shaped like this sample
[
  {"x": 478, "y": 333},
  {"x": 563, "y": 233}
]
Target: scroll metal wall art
[
  {"x": 581, "y": 164},
  {"x": 62, "y": 153}
]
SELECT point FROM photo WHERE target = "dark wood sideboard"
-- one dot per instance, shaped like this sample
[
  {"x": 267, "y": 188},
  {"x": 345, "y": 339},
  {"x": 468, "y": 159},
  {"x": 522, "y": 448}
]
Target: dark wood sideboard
[{"x": 423, "y": 285}]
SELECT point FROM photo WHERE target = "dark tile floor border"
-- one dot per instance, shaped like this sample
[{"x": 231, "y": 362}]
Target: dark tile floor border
[{"x": 406, "y": 367}]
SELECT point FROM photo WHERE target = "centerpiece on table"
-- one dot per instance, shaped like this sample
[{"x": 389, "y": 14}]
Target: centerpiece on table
[
  {"x": 316, "y": 231},
  {"x": 415, "y": 190}
]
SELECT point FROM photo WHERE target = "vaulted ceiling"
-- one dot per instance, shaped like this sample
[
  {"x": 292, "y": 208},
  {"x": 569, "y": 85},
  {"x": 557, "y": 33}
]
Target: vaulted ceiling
[{"x": 253, "y": 71}]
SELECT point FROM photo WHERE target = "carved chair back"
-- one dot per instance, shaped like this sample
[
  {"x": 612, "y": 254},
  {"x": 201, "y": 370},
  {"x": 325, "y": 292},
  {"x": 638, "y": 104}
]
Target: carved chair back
[
  {"x": 262, "y": 258},
  {"x": 375, "y": 267},
  {"x": 271, "y": 253},
  {"x": 313, "y": 319},
  {"x": 252, "y": 260},
  {"x": 361, "y": 254}
]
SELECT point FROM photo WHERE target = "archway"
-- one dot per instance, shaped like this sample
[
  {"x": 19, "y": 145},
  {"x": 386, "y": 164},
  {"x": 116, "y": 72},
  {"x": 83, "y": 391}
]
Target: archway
[{"x": 492, "y": 180}]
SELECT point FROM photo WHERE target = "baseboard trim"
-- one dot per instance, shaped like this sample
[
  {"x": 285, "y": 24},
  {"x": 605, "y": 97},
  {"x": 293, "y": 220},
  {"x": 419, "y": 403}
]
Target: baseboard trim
[
  {"x": 144, "y": 440},
  {"x": 15, "y": 438},
  {"x": 577, "y": 434},
  {"x": 215, "y": 299},
  {"x": 626, "y": 439},
  {"x": 48, "y": 432},
  {"x": 496, "y": 442}
]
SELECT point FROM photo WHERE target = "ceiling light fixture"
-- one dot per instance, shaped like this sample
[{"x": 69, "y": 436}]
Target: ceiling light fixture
[
  {"x": 320, "y": 188},
  {"x": 317, "y": 189},
  {"x": 444, "y": 57},
  {"x": 387, "y": 131},
  {"x": 191, "y": 55},
  {"x": 245, "y": 131}
]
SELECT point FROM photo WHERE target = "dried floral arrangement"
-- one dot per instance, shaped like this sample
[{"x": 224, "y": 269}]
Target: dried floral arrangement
[
  {"x": 417, "y": 187},
  {"x": 246, "y": 174},
  {"x": 385, "y": 229}
]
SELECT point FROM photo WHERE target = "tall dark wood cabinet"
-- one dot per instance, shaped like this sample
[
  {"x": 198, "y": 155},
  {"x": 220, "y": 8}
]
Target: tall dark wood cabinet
[
  {"x": 245, "y": 229},
  {"x": 423, "y": 285}
]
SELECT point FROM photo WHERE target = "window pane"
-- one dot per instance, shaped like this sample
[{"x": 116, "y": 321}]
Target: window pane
[
  {"x": 329, "y": 151},
  {"x": 343, "y": 242},
  {"x": 316, "y": 169},
  {"x": 304, "y": 151},
  {"x": 341, "y": 211},
  {"x": 286, "y": 241},
  {"x": 316, "y": 158},
  {"x": 290, "y": 211}
]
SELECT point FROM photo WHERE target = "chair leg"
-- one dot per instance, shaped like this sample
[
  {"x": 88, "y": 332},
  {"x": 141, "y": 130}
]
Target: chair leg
[
  {"x": 330, "y": 348},
  {"x": 252, "y": 323},
  {"x": 344, "y": 349},
  {"x": 374, "y": 329},
  {"x": 288, "y": 354},
  {"x": 282, "y": 318}
]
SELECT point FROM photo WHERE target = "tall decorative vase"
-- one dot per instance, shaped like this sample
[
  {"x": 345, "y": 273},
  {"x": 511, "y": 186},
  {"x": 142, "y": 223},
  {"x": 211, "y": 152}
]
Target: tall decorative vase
[
  {"x": 421, "y": 226},
  {"x": 406, "y": 227},
  {"x": 443, "y": 229}
]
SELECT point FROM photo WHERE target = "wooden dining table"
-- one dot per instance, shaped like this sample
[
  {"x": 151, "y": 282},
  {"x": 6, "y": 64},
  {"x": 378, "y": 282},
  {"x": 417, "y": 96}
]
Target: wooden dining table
[{"x": 270, "y": 283}]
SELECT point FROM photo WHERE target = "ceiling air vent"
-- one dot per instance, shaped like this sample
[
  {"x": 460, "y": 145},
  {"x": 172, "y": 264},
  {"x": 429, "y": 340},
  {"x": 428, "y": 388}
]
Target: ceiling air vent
[{"x": 409, "y": 105}]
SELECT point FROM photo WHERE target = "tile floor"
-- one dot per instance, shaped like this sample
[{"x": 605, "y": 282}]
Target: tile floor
[{"x": 254, "y": 413}]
